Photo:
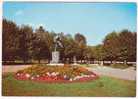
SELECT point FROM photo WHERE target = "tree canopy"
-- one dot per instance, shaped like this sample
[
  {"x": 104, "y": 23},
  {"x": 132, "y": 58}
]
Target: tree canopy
[{"x": 23, "y": 43}]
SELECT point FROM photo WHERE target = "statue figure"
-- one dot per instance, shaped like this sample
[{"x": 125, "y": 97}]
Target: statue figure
[{"x": 57, "y": 41}]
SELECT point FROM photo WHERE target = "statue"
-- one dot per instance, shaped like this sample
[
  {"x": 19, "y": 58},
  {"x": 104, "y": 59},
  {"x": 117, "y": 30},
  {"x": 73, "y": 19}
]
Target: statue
[
  {"x": 74, "y": 60},
  {"x": 57, "y": 41},
  {"x": 55, "y": 53}
]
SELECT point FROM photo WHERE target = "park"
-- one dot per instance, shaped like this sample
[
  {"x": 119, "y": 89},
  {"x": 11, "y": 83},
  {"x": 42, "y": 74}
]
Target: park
[{"x": 40, "y": 62}]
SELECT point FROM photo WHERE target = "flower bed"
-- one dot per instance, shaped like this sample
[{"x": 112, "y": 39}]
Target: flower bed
[{"x": 56, "y": 74}]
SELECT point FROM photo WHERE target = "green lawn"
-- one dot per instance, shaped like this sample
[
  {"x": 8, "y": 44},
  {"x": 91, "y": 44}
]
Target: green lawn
[{"x": 105, "y": 86}]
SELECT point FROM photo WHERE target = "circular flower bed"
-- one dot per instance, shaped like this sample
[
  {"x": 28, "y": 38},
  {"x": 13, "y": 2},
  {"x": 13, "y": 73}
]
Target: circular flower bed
[{"x": 56, "y": 74}]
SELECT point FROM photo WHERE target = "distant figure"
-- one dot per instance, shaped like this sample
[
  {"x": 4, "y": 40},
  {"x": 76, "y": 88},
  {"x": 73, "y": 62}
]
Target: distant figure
[{"x": 57, "y": 41}]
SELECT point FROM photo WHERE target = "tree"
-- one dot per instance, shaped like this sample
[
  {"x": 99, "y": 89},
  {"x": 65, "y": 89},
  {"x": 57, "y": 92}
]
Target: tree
[
  {"x": 10, "y": 40},
  {"x": 127, "y": 46},
  {"x": 40, "y": 30},
  {"x": 21, "y": 43},
  {"x": 120, "y": 46},
  {"x": 98, "y": 52},
  {"x": 70, "y": 47},
  {"x": 42, "y": 44},
  {"x": 111, "y": 46},
  {"x": 89, "y": 53},
  {"x": 25, "y": 43},
  {"x": 81, "y": 41}
]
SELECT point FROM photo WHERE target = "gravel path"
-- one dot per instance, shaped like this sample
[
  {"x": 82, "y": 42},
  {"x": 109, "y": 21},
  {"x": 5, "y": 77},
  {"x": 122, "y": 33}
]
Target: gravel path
[{"x": 126, "y": 74}]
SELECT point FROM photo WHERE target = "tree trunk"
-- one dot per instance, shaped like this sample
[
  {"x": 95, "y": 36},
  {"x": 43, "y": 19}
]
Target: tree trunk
[
  {"x": 111, "y": 61},
  {"x": 39, "y": 61},
  {"x": 24, "y": 60},
  {"x": 48, "y": 60}
]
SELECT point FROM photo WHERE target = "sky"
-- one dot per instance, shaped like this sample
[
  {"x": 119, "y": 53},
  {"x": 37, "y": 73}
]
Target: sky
[{"x": 93, "y": 20}]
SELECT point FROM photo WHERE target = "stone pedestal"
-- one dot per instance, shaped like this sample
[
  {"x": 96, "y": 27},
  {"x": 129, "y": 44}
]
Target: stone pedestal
[
  {"x": 75, "y": 61},
  {"x": 55, "y": 57}
]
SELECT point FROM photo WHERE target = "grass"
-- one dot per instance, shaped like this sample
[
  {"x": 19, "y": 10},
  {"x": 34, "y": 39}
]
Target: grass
[
  {"x": 121, "y": 66},
  {"x": 88, "y": 65},
  {"x": 105, "y": 86}
]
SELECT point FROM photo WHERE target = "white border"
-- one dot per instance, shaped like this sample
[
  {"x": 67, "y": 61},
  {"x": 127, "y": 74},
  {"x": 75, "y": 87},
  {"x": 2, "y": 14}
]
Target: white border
[
  {"x": 76, "y": 0},
  {"x": 3, "y": 97},
  {"x": 1, "y": 47}
]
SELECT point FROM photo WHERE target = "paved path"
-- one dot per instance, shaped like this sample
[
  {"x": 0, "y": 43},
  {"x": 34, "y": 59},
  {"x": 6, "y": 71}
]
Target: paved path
[
  {"x": 13, "y": 68},
  {"x": 126, "y": 74}
]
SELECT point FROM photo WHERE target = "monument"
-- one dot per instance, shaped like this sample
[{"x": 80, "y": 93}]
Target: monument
[
  {"x": 74, "y": 61},
  {"x": 55, "y": 57},
  {"x": 56, "y": 54}
]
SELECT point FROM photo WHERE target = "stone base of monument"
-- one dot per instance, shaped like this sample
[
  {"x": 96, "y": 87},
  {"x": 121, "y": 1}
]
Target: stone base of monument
[
  {"x": 55, "y": 59},
  {"x": 56, "y": 64},
  {"x": 75, "y": 64}
]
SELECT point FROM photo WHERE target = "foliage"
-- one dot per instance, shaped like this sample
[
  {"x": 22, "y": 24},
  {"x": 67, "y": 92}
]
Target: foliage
[
  {"x": 127, "y": 45},
  {"x": 70, "y": 47},
  {"x": 111, "y": 46},
  {"x": 81, "y": 41},
  {"x": 10, "y": 40},
  {"x": 98, "y": 52},
  {"x": 42, "y": 44},
  {"x": 23, "y": 43},
  {"x": 120, "y": 46}
]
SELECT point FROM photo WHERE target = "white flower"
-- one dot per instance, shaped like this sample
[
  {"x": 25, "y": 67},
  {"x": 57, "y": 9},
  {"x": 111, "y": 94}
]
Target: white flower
[
  {"x": 74, "y": 78},
  {"x": 48, "y": 73},
  {"x": 70, "y": 79},
  {"x": 92, "y": 75},
  {"x": 32, "y": 78},
  {"x": 37, "y": 76},
  {"x": 57, "y": 73},
  {"x": 78, "y": 77},
  {"x": 27, "y": 75},
  {"x": 18, "y": 74},
  {"x": 65, "y": 76},
  {"x": 53, "y": 74},
  {"x": 85, "y": 75}
]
